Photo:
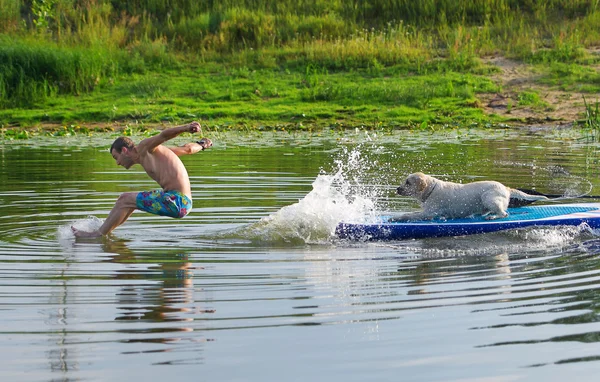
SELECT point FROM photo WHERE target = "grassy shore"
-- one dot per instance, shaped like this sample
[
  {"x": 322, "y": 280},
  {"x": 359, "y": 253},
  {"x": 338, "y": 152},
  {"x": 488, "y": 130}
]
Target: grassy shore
[{"x": 80, "y": 66}]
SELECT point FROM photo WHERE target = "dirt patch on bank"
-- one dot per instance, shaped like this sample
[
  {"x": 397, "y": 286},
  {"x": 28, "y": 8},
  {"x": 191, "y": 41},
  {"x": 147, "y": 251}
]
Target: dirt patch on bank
[{"x": 559, "y": 107}]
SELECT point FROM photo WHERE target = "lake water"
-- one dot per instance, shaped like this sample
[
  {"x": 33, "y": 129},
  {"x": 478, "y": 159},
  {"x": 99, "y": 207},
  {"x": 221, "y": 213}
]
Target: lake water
[{"x": 253, "y": 285}]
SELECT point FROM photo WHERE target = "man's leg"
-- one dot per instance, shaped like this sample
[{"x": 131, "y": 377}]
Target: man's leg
[{"x": 122, "y": 210}]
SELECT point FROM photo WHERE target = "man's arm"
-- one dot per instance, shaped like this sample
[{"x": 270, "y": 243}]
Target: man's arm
[
  {"x": 149, "y": 144},
  {"x": 192, "y": 148}
]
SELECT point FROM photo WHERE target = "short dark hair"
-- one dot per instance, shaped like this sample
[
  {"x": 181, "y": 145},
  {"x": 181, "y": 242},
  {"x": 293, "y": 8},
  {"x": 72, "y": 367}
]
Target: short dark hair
[{"x": 121, "y": 142}]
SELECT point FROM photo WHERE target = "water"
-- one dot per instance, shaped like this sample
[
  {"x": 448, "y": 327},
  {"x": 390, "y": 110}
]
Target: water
[{"x": 254, "y": 285}]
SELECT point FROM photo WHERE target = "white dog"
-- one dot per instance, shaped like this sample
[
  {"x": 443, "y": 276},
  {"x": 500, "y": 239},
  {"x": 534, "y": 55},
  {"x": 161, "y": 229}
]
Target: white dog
[{"x": 448, "y": 200}]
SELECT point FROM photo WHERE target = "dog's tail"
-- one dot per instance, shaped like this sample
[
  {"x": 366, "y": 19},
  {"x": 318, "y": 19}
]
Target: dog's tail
[
  {"x": 520, "y": 198},
  {"x": 517, "y": 194}
]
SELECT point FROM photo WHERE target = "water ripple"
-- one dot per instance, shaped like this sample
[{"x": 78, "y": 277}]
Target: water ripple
[{"x": 255, "y": 272}]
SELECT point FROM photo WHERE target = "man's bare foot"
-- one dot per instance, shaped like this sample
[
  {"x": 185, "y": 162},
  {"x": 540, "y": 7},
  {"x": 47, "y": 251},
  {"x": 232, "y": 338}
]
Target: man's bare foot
[{"x": 79, "y": 233}]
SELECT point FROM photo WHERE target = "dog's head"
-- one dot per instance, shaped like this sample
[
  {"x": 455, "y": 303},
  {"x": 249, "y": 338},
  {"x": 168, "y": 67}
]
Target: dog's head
[{"x": 415, "y": 185}]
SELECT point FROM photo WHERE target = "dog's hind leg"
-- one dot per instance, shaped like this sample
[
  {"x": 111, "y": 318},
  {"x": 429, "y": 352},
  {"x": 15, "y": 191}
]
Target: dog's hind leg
[{"x": 495, "y": 206}]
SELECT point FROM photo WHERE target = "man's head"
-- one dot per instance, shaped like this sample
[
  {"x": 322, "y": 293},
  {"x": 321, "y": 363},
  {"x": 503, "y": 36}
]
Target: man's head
[{"x": 121, "y": 150}]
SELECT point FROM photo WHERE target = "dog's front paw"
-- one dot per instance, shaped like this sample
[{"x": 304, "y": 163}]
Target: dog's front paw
[{"x": 494, "y": 217}]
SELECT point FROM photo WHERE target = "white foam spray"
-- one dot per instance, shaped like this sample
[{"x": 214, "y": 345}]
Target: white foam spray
[
  {"x": 89, "y": 224},
  {"x": 340, "y": 196}
]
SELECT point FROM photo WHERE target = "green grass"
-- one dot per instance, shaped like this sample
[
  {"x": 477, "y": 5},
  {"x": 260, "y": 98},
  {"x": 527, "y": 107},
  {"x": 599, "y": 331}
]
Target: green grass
[
  {"x": 294, "y": 63},
  {"x": 267, "y": 97},
  {"x": 31, "y": 72},
  {"x": 592, "y": 115},
  {"x": 532, "y": 99},
  {"x": 571, "y": 77}
]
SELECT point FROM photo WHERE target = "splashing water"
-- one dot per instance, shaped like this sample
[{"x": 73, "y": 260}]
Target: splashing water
[
  {"x": 524, "y": 241},
  {"x": 341, "y": 196},
  {"x": 89, "y": 224}
]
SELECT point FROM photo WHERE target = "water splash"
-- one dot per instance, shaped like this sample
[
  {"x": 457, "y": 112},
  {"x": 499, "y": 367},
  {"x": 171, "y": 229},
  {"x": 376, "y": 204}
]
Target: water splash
[
  {"x": 519, "y": 242},
  {"x": 89, "y": 224},
  {"x": 343, "y": 195}
]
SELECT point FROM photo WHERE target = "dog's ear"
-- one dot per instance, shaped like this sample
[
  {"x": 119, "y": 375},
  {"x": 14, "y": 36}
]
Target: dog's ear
[{"x": 421, "y": 183}]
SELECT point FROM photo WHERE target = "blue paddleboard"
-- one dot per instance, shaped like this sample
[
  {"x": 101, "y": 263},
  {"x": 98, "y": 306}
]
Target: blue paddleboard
[{"x": 546, "y": 215}]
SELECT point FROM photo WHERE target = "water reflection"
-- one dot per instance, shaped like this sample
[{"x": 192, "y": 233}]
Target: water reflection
[
  {"x": 158, "y": 302},
  {"x": 61, "y": 357},
  {"x": 165, "y": 296}
]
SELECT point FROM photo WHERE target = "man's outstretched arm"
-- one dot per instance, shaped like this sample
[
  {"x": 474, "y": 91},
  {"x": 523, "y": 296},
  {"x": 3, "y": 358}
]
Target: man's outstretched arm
[
  {"x": 192, "y": 148},
  {"x": 149, "y": 144}
]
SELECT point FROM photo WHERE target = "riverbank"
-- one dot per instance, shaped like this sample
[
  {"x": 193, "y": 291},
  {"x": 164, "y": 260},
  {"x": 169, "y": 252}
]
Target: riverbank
[
  {"x": 103, "y": 66},
  {"x": 507, "y": 92}
]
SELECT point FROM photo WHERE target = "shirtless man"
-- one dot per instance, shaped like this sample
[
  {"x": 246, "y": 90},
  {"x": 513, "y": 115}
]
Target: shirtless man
[{"x": 163, "y": 165}]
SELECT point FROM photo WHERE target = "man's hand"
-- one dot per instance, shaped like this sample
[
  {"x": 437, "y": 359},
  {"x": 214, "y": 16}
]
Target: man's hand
[
  {"x": 195, "y": 127},
  {"x": 204, "y": 143}
]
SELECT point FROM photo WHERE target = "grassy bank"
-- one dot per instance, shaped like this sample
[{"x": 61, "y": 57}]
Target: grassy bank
[{"x": 285, "y": 65}]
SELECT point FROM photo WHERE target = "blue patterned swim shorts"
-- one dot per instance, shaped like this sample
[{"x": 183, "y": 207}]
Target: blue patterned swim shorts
[{"x": 164, "y": 203}]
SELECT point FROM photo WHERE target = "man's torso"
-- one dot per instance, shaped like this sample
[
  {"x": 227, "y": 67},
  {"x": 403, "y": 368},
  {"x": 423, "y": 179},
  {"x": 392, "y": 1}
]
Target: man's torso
[{"x": 166, "y": 169}]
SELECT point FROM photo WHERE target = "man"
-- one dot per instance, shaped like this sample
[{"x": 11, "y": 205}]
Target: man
[{"x": 163, "y": 165}]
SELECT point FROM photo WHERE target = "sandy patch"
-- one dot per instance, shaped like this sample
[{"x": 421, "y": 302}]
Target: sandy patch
[{"x": 515, "y": 78}]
